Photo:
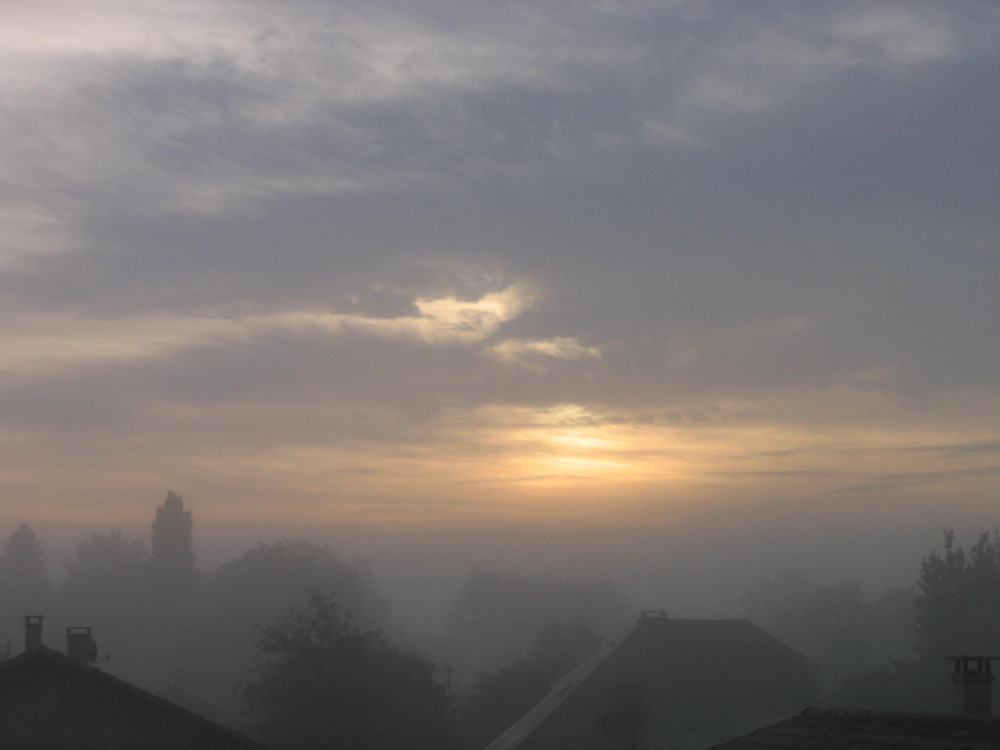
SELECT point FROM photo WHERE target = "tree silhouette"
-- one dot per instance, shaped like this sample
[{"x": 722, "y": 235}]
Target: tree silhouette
[
  {"x": 24, "y": 578},
  {"x": 956, "y": 612},
  {"x": 323, "y": 683},
  {"x": 105, "y": 562},
  {"x": 496, "y": 618},
  {"x": 172, "y": 542},
  {"x": 258, "y": 587},
  {"x": 958, "y": 608},
  {"x": 500, "y": 698}
]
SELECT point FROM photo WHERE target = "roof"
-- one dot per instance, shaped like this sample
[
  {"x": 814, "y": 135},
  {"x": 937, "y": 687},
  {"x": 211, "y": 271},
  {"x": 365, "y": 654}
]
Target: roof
[
  {"x": 42, "y": 664},
  {"x": 815, "y": 729},
  {"x": 690, "y": 672},
  {"x": 560, "y": 690}
]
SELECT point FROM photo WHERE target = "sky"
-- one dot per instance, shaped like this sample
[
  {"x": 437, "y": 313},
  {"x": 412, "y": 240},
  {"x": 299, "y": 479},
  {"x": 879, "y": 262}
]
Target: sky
[{"x": 441, "y": 264}]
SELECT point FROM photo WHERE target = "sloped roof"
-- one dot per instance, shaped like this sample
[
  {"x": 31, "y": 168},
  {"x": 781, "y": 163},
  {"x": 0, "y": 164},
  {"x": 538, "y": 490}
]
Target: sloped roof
[
  {"x": 70, "y": 676},
  {"x": 560, "y": 691},
  {"x": 687, "y": 669},
  {"x": 872, "y": 730}
]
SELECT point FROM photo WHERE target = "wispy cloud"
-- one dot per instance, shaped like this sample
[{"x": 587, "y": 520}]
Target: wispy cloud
[
  {"x": 440, "y": 322},
  {"x": 534, "y": 478},
  {"x": 660, "y": 252}
]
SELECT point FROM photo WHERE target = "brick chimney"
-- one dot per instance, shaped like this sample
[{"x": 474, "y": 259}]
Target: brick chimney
[
  {"x": 80, "y": 645},
  {"x": 973, "y": 679},
  {"x": 32, "y": 631}
]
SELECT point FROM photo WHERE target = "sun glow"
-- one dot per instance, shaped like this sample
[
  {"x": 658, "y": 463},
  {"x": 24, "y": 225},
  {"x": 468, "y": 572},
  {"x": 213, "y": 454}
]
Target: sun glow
[{"x": 569, "y": 443}]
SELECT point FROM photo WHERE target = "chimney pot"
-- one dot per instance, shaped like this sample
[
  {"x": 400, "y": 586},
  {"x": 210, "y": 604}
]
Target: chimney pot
[
  {"x": 80, "y": 645},
  {"x": 33, "y": 631},
  {"x": 973, "y": 679}
]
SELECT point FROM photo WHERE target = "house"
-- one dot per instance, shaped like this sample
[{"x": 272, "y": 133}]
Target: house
[
  {"x": 970, "y": 728},
  {"x": 50, "y": 700},
  {"x": 669, "y": 683},
  {"x": 815, "y": 729}
]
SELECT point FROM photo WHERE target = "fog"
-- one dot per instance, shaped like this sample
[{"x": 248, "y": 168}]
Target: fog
[
  {"x": 693, "y": 571},
  {"x": 449, "y": 311},
  {"x": 185, "y": 616}
]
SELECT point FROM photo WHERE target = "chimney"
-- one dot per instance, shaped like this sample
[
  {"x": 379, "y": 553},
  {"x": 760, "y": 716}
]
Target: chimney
[
  {"x": 80, "y": 645},
  {"x": 973, "y": 679},
  {"x": 33, "y": 631}
]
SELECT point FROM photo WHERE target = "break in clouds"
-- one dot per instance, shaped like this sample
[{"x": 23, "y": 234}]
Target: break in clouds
[{"x": 424, "y": 263}]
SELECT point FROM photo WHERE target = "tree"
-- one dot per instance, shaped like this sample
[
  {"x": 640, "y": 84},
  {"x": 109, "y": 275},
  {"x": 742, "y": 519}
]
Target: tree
[
  {"x": 837, "y": 626},
  {"x": 265, "y": 581},
  {"x": 258, "y": 587},
  {"x": 322, "y": 682},
  {"x": 24, "y": 577},
  {"x": 105, "y": 562},
  {"x": 172, "y": 541},
  {"x": 495, "y": 618},
  {"x": 958, "y": 608},
  {"x": 957, "y": 611},
  {"x": 500, "y": 698}
]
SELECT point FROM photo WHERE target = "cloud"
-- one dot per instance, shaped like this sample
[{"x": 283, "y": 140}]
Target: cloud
[
  {"x": 531, "y": 354},
  {"x": 535, "y": 478},
  {"x": 957, "y": 450},
  {"x": 912, "y": 480},
  {"x": 652, "y": 243},
  {"x": 440, "y": 322},
  {"x": 201, "y": 108}
]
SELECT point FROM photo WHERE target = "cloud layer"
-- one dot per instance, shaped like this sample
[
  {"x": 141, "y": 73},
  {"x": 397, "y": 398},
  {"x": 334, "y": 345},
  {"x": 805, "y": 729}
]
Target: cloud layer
[{"x": 466, "y": 263}]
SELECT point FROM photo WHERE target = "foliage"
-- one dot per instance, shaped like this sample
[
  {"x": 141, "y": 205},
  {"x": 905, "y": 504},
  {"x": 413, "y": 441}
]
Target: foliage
[
  {"x": 270, "y": 578},
  {"x": 912, "y": 685},
  {"x": 24, "y": 577},
  {"x": 500, "y": 698},
  {"x": 956, "y": 612},
  {"x": 324, "y": 683},
  {"x": 173, "y": 544},
  {"x": 958, "y": 608},
  {"x": 107, "y": 587},
  {"x": 566, "y": 644},
  {"x": 495, "y": 618},
  {"x": 836, "y": 626},
  {"x": 258, "y": 587},
  {"x": 106, "y": 562}
]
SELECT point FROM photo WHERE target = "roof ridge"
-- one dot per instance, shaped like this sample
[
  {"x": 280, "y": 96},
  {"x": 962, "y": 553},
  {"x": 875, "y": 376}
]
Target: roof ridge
[
  {"x": 45, "y": 652},
  {"x": 908, "y": 717}
]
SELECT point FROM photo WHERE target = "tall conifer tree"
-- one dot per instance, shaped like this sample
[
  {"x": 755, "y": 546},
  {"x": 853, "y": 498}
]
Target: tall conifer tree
[
  {"x": 172, "y": 541},
  {"x": 24, "y": 577}
]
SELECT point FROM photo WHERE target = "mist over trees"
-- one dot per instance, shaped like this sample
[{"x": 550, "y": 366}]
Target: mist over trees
[
  {"x": 257, "y": 588},
  {"x": 890, "y": 651},
  {"x": 172, "y": 540},
  {"x": 498, "y": 699},
  {"x": 296, "y": 609},
  {"x": 322, "y": 682},
  {"x": 840, "y": 628},
  {"x": 194, "y": 635},
  {"x": 495, "y": 619},
  {"x": 956, "y": 612},
  {"x": 24, "y": 576},
  {"x": 958, "y": 608},
  {"x": 106, "y": 562},
  {"x": 162, "y": 623}
]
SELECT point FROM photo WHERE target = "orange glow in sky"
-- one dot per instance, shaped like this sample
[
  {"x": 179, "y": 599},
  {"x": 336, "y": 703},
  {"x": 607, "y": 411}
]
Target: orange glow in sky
[{"x": 374, "y": 266}]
